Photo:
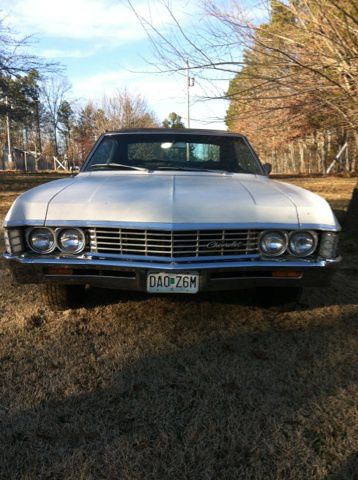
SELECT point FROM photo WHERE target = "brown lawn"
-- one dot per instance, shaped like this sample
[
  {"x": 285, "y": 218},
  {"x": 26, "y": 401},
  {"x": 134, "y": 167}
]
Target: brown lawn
[{"x": 210, "y": 387}]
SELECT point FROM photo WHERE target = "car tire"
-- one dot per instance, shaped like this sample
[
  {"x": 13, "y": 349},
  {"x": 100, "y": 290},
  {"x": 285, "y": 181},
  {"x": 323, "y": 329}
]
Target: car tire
[
  {"x": 63, "y": 297},
  {"x": 272, "y": 296}
]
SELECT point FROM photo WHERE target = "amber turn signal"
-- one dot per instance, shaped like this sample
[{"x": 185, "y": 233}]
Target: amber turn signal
[
  {"x": 58, "y": 271},
  {"x": 286, "y": 274}
]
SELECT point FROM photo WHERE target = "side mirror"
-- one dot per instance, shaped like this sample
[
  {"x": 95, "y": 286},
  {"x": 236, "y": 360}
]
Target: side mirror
[{"x": 267, "y": 168}]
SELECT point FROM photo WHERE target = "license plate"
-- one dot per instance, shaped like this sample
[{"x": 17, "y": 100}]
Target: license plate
[{"x": 163, "y": 282}]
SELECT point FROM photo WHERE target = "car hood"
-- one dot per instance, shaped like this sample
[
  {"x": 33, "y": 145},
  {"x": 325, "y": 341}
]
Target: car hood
[{"x": 173, "y": 200}]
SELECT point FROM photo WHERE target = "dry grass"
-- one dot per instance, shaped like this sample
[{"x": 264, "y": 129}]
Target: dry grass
[{"x": 211, "y": 387}]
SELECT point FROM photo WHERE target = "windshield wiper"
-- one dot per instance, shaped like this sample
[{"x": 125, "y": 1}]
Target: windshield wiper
[{"x": 116, "y": 166}]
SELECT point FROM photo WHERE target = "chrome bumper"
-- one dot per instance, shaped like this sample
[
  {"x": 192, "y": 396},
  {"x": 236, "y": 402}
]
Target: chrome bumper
[{"x": 130, "y": 274}]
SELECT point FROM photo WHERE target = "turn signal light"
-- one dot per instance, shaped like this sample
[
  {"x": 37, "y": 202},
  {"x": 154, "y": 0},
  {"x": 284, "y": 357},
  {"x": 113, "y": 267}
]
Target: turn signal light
[
  {"x": 58, "y": 271},
  {"x": 286, "y": 274}
]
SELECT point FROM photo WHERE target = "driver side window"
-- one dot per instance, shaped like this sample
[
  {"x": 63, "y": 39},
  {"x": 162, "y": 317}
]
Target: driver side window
[{"x": 103, "y": 153}]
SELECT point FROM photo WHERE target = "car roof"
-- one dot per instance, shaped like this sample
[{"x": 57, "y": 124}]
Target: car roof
[{"x": 176, "y": 131}]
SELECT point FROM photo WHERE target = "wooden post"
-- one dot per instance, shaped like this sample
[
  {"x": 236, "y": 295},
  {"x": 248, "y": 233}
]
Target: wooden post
[{"x": 337, "y": 157}]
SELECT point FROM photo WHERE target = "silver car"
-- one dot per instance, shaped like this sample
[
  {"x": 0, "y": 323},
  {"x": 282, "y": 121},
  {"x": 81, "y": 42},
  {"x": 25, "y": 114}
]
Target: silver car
[{"x": 171, "y": 211}]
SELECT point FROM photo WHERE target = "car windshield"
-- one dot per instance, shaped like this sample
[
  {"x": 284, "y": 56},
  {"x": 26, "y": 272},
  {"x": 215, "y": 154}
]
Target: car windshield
[{"x": 184, "y": 152}]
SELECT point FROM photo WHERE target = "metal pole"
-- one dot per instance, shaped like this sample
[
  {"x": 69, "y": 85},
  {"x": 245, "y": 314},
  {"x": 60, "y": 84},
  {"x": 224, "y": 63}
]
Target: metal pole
[
  {"x": 188, "y": 85},
  {"x": 9, "y": 155},
  {"x": 26, "y": 142},
  {"x": 188, "y": 92}
]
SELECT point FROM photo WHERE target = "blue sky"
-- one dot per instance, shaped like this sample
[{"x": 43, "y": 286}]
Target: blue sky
[{"x": 104, "y": 48}]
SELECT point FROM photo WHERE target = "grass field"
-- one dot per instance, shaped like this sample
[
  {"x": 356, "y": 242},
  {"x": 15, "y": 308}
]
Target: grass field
[{"x": 211, "y": 387}]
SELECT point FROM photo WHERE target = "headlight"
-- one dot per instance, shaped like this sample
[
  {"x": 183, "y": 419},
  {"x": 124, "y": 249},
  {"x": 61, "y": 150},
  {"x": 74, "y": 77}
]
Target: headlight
[
  {"x": 273, "y": 243},
  {"x": 41, "y": 240},
  {"x": 71, "y": 240},
  {"x": 302, "y": 244}
]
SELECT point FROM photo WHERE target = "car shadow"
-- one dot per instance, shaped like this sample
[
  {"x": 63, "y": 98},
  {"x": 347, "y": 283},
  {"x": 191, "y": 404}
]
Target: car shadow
[
  {"x": 347, "y": 471},
  {"x": 99, "y": 296},
  {"x": 342, "y": 291},
  {"x": 352, "y": 211},
  {"x": 201, "y": 404}
]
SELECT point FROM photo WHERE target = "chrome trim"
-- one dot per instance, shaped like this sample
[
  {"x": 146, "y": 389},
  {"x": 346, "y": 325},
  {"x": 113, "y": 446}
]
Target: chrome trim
[
  {"x": 58, "y": 240},
  {"x": 173, "y": 244},
  {"x": 188, "y": 226},
  {"x": 283, "y": 249},
  {"x": 319, "y": 227},
  {"x": 162, "y": 259},
  {"x": 186, "y": 131},
  {"x": 43, "y": 252},
  {"x": 167, "y": 266},
  {"x": 24, "y": 223}
]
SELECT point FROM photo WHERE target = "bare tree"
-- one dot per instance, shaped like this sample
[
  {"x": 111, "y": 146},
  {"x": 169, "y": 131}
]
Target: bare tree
[
  {"x": 320, "y": 44},
  {"x": 293, "y": 73},
  {"x": 53, "y": 92},
  {"x": 125, "y": 110},
  {"x": 14, "y": 55},
  {"x": 121, "y": 110}
]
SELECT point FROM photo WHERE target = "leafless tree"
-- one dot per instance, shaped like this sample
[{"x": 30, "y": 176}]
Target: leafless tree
[
  {"x": 293, "y": 73},
  {"x": 15, "y": 58},
  {"x": 53, "y": 92},
  {"x": 125, "y": 110}
]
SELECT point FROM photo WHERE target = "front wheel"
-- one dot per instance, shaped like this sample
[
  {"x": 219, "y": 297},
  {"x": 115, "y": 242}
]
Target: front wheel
[
  {"x": 63, "y": 297},
  {"x": 274, "y": 296}
]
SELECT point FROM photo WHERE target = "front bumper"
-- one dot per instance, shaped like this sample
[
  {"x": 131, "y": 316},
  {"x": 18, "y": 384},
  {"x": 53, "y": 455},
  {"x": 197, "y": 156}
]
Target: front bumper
[{"x": 131, "y": 274}]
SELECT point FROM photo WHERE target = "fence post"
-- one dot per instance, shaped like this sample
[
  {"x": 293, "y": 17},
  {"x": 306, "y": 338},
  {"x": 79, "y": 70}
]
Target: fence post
[{"x": 337, "y": 157}]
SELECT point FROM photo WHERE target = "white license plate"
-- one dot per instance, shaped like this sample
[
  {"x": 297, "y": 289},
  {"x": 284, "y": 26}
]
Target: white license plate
[{"x": 165, "y": 282}]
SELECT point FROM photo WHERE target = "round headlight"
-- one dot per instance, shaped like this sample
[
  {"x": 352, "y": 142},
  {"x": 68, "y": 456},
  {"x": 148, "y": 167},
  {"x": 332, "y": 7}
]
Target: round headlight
[
  {"x": 41, "y": 240},
  {"x": 302, "y": 244},
  {"x": 273, "y": 243},
  {"x": 71, "y": 240}
]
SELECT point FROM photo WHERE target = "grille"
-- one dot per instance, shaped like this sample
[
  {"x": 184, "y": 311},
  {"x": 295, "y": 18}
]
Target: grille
[{"x": 164, "y": 243}]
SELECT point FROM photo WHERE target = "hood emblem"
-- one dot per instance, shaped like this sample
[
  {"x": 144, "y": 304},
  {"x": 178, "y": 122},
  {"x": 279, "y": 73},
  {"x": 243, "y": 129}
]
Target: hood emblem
[{"x": 218, "y": 245}]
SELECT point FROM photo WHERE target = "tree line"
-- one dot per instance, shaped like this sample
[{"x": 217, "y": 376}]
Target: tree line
[
  {"x": 296, "y": 93},
  {"x": 293, "y": 75},
  {"x": 46, "y": 123},
  {"x": 40, "y": 118},
  {"x": 293, "y": 85}
]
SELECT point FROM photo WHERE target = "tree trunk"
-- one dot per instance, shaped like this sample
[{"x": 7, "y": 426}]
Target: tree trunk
[{"x": 38, "y": 127}]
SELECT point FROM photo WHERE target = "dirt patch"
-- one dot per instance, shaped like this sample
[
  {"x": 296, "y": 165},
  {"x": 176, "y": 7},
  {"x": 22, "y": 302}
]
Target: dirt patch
[{"x": 211, "y": 387}]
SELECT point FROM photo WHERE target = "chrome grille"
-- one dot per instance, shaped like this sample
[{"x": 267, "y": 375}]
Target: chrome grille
[{"x": 167, "y": 243}]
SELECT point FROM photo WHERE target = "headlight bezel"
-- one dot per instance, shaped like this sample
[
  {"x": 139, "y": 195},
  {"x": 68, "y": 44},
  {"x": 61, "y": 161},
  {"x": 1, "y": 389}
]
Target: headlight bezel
[
  {"x": 309, "y": 252},
  {"x": 287, "y": 248},
  {"x": 56, "y": 246},
  {"x": 80, "y": 249},
  {"x": 281, "y": 251},
  {"x": 31, "y": 230}
]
